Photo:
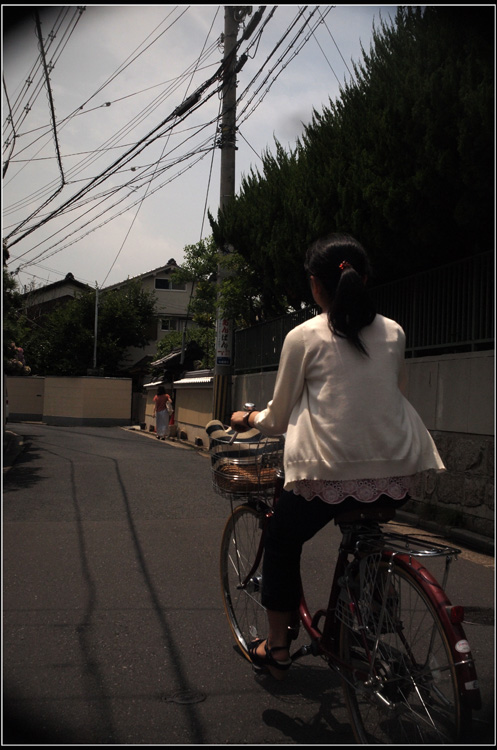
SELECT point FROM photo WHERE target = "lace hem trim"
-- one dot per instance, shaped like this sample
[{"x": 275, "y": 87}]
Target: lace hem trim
[{"x": 364, "y": 490}]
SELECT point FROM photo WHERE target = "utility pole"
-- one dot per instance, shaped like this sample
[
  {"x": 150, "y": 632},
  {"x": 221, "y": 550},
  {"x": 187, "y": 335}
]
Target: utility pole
[
  {"x": 95, "y": 335},
  {"x": 223, "y": 366}
]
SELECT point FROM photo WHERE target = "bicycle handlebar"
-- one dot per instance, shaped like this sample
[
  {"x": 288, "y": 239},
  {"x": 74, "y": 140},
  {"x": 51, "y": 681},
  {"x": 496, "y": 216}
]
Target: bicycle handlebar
[{"x": 246, "y": 407}]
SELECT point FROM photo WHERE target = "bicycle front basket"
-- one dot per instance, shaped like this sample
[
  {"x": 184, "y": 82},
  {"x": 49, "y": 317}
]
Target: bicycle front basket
[{"x": 246, "y": 467}]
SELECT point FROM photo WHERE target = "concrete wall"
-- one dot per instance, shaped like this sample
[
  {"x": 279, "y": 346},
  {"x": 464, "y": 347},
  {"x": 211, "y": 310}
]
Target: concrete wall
[
  {"x": 454, "y": 395},
  {"x": 192, "y": 411},
  {"x": 71, "y": 401},
  {"x": 26, "y": 398},
  {"x": 454, "y": 392},
  {"x": 451, "y": 393}
]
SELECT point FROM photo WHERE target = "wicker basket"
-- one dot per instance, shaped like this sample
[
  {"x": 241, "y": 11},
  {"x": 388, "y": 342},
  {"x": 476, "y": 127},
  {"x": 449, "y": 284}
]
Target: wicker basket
[
  {"x": 241, "y": 470},
  {"x": 232, "y": 478}
]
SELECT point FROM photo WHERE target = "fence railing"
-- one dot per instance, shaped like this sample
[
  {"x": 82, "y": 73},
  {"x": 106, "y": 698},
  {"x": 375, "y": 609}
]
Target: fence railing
[{"x": 444, "y": 310}]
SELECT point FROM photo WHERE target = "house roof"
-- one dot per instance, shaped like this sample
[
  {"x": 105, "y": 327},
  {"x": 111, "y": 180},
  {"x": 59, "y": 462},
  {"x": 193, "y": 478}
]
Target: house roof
[
  {"x": 68, "y": 280},
  {"x": 170, "y": 265}
]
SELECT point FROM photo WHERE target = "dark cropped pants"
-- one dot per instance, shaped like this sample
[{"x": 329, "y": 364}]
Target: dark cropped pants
[{"x": 295, "y": 521}]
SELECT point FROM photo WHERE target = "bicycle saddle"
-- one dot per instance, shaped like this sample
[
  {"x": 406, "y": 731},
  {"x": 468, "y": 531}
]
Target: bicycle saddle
[{"x": 376, "y": 514}]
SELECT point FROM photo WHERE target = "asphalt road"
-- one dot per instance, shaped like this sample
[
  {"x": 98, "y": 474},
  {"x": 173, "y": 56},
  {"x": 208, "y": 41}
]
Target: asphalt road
[{"x": 114, "y": 630}]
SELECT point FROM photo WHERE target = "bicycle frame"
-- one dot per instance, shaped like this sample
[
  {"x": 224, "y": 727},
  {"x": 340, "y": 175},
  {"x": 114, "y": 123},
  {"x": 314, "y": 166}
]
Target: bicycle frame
[
  {"x": 325, "y": 642},
  {"x": 388, "y": 631}
]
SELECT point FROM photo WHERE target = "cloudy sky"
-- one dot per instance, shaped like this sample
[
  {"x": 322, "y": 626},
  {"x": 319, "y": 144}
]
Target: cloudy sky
[{"x": 99, "y": 178}]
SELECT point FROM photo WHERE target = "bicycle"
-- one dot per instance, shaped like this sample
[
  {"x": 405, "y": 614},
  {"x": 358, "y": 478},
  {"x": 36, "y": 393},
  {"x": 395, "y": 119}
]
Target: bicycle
[{"x": 389, "y": 630}]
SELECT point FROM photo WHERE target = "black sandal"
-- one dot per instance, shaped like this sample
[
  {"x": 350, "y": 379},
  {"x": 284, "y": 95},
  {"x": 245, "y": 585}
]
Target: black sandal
[{"x": 276, "y": 668}]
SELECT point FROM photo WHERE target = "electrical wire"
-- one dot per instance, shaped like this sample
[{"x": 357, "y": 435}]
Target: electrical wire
[
  {"x": 123, "y": 160},
  {"x": 134, "y": 151},
  {"x": 154, "y": 105},
  {"x": 158, "y": 162},
  {"x": 38, "y": 66},
  {"x": 15, "y": 230},
  {"x": 93, "y": 155}
]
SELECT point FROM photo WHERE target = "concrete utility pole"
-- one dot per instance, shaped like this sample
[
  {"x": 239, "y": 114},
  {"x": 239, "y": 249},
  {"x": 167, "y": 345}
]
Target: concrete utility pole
[
  {"x": 95, "y": 335},
  {"x": 223, "y": 366}
]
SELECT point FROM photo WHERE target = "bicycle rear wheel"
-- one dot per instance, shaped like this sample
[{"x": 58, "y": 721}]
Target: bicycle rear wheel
[
  {"x": 404, "y": 691},
  {"x": 241, "y": 575}
]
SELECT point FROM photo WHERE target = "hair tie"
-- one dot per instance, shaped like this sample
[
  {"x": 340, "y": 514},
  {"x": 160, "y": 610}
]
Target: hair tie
[{"x": 344, "y": 264}]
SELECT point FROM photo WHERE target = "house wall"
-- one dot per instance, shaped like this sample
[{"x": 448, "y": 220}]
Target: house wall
[
  {"x": 71, "y": 401},
  {"x": 170, "y": 303},
  {"x": 453, "y": 394}
]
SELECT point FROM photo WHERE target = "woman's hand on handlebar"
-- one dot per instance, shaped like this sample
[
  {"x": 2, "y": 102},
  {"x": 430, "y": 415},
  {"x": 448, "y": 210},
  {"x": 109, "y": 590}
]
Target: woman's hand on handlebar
[{"x": 239, "y": 420}]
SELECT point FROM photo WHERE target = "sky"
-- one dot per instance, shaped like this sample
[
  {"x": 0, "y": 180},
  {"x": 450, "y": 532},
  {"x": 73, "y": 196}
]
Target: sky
[{"x": 100, "y": 178}]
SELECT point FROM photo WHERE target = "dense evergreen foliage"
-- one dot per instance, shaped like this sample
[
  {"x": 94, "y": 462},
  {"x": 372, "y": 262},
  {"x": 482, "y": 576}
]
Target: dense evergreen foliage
[{"x": 403, "y": 160}]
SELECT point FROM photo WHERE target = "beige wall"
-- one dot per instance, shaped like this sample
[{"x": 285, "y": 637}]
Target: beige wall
[
  {"x": 71, "y": 401},
  {"x": 26, "y": 397},
  {"x": 193, "y": 411}
]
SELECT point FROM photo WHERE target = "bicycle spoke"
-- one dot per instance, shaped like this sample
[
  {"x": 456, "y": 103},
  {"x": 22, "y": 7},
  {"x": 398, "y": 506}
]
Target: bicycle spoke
[
  {"x": 241, "y": 582},
  {"x": 411, "y": 693}
]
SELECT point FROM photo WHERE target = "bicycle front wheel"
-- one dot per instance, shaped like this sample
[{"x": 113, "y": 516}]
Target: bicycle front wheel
[
  {"x": 400, "y": 685},
  {"x": 241, "y": 575}
]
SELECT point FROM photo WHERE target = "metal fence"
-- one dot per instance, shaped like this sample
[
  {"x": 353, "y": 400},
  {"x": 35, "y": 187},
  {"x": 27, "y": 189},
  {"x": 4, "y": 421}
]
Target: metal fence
[{"x": 447, "y": 309}]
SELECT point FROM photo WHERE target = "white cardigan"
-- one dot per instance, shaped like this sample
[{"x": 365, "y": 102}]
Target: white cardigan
[{"x": 343, "y": 413}]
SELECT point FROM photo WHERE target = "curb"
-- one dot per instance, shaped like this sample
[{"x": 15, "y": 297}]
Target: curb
[{"x": 173, "y": 441}]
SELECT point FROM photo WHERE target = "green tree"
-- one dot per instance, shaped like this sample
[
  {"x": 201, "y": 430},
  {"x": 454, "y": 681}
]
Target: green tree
[
  {"x": 64, "y": 344},
  {"x": 199, "y": 268},
  {"x": 204, "y": 337},
  {"x": 15, "y": 329},
  {"x": 234, "y": 296},
  {"x": 402, "y": 159}
]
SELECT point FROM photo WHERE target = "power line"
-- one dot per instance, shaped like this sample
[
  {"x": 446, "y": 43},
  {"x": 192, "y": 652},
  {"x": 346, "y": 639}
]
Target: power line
[
  {"x": 183, "y": 110},
  {"x": 93, "y": 155},
  {"x": 123, "y": 66},
  {"x": 38, "y": 66},
  {"x": 156, "y": 166},
  {"x": 164, "y": 129},
  {"x": 44, "y": 252}
]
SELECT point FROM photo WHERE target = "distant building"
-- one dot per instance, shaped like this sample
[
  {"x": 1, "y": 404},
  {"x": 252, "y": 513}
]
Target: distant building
[
  {"x": 42, "y": 300},
  {"x": 171, "y": 312}
]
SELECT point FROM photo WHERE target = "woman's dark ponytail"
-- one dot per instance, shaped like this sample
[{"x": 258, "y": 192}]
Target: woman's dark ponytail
[{"x": 342, "y": 266}]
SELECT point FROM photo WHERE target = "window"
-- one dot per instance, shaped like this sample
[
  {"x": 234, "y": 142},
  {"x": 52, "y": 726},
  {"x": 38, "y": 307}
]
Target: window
[
  {"x": 166, "y": 284},
  {"x": 168, "y": 324}
]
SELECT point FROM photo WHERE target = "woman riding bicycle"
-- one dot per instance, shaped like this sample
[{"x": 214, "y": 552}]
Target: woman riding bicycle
[{"x": 351, "y": 435}]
